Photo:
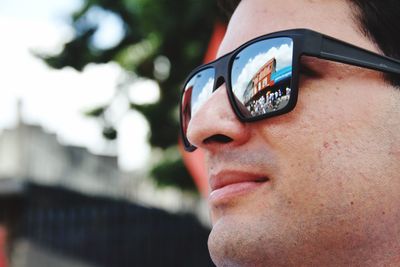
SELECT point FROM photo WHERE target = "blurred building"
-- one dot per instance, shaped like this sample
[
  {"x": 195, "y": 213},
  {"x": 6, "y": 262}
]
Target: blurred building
[
  {"x": 64, "y": 206},
  {"x": 28, "y": 153}
]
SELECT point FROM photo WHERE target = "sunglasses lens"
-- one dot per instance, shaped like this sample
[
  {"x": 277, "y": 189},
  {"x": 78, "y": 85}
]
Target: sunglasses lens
[
  {"x": 261, "y": 77},
  {"x": 197, "y": 91}
]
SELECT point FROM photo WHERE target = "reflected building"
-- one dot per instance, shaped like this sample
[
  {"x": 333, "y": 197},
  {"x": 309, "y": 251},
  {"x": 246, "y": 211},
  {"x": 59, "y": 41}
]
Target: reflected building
[
  {"x": 269, "y": 89},
  {"x": 187, "y": 107},
  {"x": 261, "y": 80}
]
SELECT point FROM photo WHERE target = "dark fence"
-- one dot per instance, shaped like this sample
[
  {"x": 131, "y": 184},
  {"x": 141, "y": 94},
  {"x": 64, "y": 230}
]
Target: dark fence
[{"x": 103, "y": 231}]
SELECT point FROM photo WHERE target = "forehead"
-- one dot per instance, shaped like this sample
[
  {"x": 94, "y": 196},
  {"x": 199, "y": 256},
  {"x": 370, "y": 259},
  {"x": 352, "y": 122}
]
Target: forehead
[{"x": 253, "y": 18}]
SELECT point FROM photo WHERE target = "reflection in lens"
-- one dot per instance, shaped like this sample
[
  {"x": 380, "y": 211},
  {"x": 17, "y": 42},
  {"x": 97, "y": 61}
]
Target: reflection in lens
[
  {"x": 261, "y": 76},
  {"x": 197, "y": 91}
]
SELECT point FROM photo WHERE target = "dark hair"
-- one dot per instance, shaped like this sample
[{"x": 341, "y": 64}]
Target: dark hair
[
  {"x": 228, "y": 6},
  {"x": 378, "y": 20}
]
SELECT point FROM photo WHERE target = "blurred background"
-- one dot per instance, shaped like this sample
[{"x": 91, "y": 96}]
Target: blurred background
[{"x": 91, "y": 173}]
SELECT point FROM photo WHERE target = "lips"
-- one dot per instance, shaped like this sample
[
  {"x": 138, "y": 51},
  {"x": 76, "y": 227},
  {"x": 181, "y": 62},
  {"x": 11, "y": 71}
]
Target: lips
[{"x": 229, "y": 184}]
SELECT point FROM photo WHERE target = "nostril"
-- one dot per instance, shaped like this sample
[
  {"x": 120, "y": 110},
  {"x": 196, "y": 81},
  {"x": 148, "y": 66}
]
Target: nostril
[{"x": 218, "y": 138}]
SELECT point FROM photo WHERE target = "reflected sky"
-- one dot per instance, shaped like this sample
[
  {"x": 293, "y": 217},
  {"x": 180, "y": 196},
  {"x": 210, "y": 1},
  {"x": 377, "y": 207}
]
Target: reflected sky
[
  {"x": 203, "y": 85},
  {"x": 249, "y": 61}
]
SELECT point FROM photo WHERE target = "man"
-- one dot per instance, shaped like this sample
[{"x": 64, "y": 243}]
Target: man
[{"x": 316, "y": 183}]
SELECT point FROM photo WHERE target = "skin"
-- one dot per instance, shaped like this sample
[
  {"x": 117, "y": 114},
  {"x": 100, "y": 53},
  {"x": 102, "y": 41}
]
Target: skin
[{"x": 333, "y": 163}]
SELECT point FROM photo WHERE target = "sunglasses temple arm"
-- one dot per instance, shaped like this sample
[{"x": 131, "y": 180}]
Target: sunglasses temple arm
[{"x": 339, "y": 51}]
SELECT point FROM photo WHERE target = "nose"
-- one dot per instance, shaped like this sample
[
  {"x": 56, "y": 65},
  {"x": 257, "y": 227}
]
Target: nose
[{"x": 216, "y": 126}]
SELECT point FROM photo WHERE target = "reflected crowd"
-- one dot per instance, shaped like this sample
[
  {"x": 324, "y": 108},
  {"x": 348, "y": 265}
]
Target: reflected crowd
[{"x": 269, "y": 102}]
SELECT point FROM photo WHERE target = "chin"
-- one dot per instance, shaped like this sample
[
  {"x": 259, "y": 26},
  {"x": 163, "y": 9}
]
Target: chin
[{"x": 234, "y": 241}]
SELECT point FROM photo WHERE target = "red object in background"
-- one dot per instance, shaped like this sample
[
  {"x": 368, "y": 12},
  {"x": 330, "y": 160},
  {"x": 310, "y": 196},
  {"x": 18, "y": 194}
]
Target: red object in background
[
  {"x": 195, "y": 161},
  {"x": 216, "y": 39},
  {"x": 3, "y": 244}
]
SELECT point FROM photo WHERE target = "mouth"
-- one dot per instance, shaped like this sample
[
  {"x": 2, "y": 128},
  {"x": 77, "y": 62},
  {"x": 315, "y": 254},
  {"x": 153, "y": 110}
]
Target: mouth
[
  {"x": 227, "y": 185},
  {"x": 261, "y": 180}
]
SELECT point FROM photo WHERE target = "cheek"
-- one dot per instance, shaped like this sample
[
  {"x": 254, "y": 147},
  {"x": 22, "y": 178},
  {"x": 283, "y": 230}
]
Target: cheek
[
  {"x": 326, "y": 115},
  {"x": 329, "y": 112},
  {"x": 330, "y": 146}
]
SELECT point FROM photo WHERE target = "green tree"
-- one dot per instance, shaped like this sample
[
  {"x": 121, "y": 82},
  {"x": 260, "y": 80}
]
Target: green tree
[{"x": 177, "y": 30}]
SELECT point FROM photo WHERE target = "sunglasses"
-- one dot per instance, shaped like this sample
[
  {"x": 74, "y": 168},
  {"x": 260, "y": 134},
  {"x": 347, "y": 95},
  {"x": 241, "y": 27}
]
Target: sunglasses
[{"x": 262, "y": 75}]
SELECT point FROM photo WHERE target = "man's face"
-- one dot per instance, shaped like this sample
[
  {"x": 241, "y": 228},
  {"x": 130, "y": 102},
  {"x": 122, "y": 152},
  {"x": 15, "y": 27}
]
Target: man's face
[{"x": 332, "y": 164}]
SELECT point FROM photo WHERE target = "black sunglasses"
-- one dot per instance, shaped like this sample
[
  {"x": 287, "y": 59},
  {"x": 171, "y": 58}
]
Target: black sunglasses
[{"x": 262, "y": 75}]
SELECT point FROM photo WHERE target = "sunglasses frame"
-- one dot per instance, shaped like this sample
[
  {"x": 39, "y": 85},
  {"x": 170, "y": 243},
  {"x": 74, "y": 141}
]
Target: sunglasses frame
[{"x": 305, "y": 42}]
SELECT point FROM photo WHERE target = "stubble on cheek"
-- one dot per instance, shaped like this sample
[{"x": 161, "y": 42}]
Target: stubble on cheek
[
  {"x": 242, "y": 243},
  {"x": 328, "y": 196}
]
